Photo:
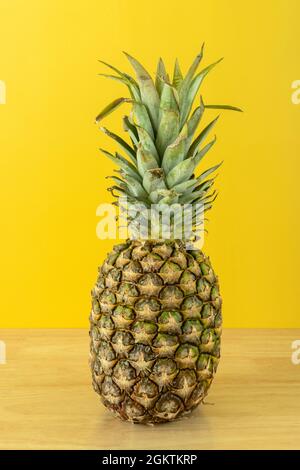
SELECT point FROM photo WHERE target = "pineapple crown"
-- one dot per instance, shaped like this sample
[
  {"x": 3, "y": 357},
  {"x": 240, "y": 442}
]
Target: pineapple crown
[{"x": 159, "y": 168}]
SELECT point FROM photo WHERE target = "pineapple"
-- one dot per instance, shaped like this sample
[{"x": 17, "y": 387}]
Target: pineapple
[{"x": 155, "y": 323}]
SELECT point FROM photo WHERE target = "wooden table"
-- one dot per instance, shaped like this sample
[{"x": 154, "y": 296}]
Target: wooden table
[{"x": 47, "y": 402}]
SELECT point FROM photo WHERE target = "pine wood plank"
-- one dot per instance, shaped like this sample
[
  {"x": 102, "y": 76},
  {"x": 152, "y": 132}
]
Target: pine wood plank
[{"x": 47, "y": 402}]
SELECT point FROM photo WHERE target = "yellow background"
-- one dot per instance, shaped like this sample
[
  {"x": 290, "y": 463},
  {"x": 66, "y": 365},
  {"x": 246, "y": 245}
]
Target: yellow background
[{"x": 52, "y": 175}]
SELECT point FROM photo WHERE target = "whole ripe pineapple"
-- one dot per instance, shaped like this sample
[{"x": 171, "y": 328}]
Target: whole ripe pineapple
[{"x": 156, "y": 320}]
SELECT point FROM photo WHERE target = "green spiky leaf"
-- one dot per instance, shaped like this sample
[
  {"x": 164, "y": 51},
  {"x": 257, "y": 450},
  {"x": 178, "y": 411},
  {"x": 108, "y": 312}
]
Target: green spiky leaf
[
  {"x": 224, "y": 107},
  {"x": 195, "y": 119},
  {"x": 199, "y": 139},
  {"x": 131, "y": 129},
  {"x": 181, "y": 172},
  {"x": 177, "y": 75},
  {"x": 199, "y": 155},
  {"x": 167, "y": 131},
  {"x": 168, "y": 128},
  {"x": 186, "y": 186},
  {"x": 170, "y": 198},
  {"x": 147, "y": 143},
  {"x": 189, "y": 97},
  {"x": 175, "y": 152},
  {"x": 111, "y": 107},
  {"x": 154, "y": 180},
  {"x": 184, "y": 170},
  {"x": 148, "y": 91},
  {"x": 136, "y": 189},
  {"x": 121, "y": 74},
  {"x": 127, "y": 149},
  {"x": 123, "y": 78},
  {"x": 193, "y": 196},
  {"x": 206, "y": 173},
  {"x": 122, "y": 163},
  {"x": 161, "y": 76},
  {"x": 168, "y": 100},
  {"x": 141, "y": 117},
  {"x": 185, "y": 85},
  {"x": 145, "y": 161}
]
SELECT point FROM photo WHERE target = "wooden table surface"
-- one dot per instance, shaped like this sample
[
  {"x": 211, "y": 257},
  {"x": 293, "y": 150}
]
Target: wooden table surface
[{"x": 47, "y": 402}]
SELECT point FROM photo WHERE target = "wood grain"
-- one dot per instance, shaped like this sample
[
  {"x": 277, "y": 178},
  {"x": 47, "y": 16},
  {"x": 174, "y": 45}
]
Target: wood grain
[{"x": 47, "y": 402}]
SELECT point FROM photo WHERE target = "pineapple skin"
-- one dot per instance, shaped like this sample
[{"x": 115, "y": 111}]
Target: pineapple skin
[{"x": 155, "y": 329}]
